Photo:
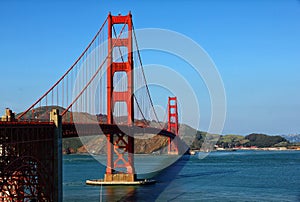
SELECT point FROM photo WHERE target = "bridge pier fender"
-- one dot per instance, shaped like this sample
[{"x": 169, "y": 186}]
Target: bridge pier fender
[
  {"x": 120, "y": 177},
  {"x": 57, "y": 145}
]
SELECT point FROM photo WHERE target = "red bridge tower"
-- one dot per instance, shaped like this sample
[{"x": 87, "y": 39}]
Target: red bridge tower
[
  {"x": 121, "y": 145},
  {"x": 173, "y": 125}
]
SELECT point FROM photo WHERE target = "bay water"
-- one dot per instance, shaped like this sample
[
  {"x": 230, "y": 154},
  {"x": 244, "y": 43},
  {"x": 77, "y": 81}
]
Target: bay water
[{"x": 221, "y": 176}]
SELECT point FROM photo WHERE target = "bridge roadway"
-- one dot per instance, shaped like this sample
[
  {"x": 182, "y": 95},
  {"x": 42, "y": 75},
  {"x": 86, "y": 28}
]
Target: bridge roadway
[{"x": 87, "y": 129}]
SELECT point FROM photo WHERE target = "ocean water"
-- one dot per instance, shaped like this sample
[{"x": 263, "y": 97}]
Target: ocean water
[{"x": 221, "y": 176}]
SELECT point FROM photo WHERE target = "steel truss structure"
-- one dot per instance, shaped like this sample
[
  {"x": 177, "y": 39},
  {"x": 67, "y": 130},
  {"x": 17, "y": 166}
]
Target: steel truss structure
[{"x": 27, "y": 161}]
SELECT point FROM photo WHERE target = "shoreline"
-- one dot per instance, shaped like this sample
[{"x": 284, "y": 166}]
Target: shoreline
[
  {"x": 259, "y": 149},
  {"x": 193, "y": 152}
]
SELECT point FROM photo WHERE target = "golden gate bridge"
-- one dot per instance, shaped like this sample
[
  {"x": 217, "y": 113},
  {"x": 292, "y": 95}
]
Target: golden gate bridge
[{"x": 104, "y": 92}]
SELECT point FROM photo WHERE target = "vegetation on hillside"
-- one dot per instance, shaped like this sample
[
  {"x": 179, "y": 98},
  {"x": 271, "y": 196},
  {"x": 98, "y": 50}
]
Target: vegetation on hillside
[
  {"x": 262, "y": 140},
  {"x": 231, "y": 141},
  {"x": 234, "y": 141},
  {"x": 199, "y": 139},
  {"x": 226, "y": 141}
]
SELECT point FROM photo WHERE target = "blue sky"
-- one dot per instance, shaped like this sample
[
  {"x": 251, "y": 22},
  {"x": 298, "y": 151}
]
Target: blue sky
[{"x": 254, "y": 44}]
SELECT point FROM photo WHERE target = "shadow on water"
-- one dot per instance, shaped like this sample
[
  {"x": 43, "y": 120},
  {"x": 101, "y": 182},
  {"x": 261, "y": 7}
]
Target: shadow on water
[
  {"x": 206, "y": 173},
  {"x": 164, "y": 179},
  {"x": 79, "y": 168},
  {"x": 151, "y": 192}
]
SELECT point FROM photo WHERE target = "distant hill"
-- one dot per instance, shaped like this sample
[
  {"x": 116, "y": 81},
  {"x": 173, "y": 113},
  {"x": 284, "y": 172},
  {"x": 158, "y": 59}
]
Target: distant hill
[
  {"x": 157, "y": 144},
  {"x": 262, "y": 140},
  {"x": 254, "y": 139},
  {"x": 295, "y": 138},
  {"x": 143, "y": 144},
  {"x": 40, "y": 113},
  {"x": 43, "y": 114}
]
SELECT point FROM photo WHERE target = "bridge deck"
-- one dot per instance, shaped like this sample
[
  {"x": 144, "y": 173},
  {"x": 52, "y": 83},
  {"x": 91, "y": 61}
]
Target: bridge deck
[{"x": 88, "y": 129}]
